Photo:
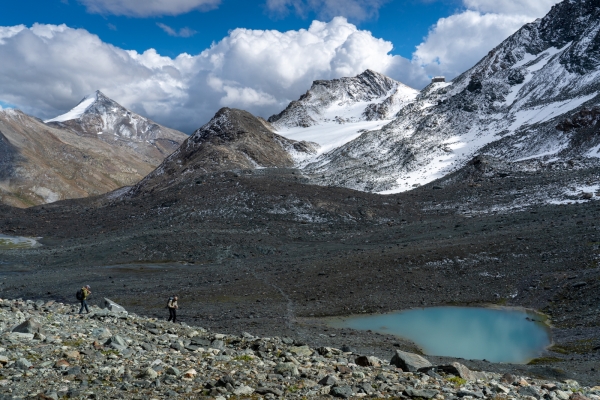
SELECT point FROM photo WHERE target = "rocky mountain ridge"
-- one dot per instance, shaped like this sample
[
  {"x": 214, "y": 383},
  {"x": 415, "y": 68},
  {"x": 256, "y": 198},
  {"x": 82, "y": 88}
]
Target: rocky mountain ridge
[
  {"x": 232, "y": 140},
  {"x": 366, "y": 97},
  {"x": 48, "y": 352},
  {"x": 103, "y": 118},
  {"x": 97, "y": 147},
  {"x": 514, "y": 105}
]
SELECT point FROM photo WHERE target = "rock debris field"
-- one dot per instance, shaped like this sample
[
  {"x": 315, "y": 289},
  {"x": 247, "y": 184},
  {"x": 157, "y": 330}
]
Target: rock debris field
[{"x": 48, "y": 351}]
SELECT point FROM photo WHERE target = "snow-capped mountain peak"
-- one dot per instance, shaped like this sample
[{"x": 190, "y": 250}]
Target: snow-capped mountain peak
[
  {"x": 365, "y": 97},
  {"x": 100, "y": 117},
  {"x": 332, "y": 113},
  {"x": 79, "y": 109}
]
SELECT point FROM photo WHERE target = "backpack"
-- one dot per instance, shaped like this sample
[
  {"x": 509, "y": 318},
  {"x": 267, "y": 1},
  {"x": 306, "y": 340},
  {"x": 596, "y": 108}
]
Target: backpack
[
  {"x": 79, "y": 294},
  {"x": 169, "y": 301}
]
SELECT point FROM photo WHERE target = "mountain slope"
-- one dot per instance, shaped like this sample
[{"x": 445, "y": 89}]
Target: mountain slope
[
  {"x": 42, "y": 164},
  {"x": 232, "y": 139},
  {"x": 509, "y": 105},
  {"x": 100, "y": 117},
  {"x": 334, "y": 112}
]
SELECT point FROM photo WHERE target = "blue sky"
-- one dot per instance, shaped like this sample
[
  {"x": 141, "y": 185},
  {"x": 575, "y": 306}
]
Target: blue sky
[
  {"x": 179, "y": 61},
  {"x": 403, "y": 22}
]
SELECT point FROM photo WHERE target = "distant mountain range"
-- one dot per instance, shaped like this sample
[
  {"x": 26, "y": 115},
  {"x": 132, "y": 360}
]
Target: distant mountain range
[
  {"x": 533, "y": 100},
  {"x": 95, "y": 148}
]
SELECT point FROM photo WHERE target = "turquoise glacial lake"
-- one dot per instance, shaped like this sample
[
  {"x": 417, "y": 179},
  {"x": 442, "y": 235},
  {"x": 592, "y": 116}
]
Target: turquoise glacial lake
[{"x": 496, "y": 335}]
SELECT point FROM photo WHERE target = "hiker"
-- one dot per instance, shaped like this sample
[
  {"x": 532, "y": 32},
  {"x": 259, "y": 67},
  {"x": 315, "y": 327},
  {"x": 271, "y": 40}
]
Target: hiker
[
  {"x": 172, "y": 306},
  {"x": 82, "y": 296}
]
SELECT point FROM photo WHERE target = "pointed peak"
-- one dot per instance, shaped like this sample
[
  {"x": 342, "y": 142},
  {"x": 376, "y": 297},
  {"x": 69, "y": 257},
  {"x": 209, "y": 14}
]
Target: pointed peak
[{"x": 80, "y": 108}]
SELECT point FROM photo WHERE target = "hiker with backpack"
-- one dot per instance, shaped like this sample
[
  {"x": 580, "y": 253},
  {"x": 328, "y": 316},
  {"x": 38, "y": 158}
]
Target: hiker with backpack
[
  {"x": 172, "y": 306},
  {"x": 82, "y": 295}
]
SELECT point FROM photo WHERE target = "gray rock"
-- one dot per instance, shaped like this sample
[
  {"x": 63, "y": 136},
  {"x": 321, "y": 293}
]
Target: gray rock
[
  {"x": 302, "y": 351},
  {"x": 113, "y": 307},
  {"x": 329, "y": 380},
  {"x": 148, "y": 373},
  {"x": 367, "y": 361},
  {"x": 344, "y": 392},
  {"x": 22, "y": 364},
  {"x": 422, "y": 393},
  {"x": 243, "y": 391},
  {"x": 464, "y": 393},
  {"x": 287, "y": 368},
  {"x": 268, "y": 390},
  {"x": 529, "y": 391},
  {"x": 366, "y": 387},
  {"x": 218, "y": 344},
  {"x": 409, "y": 362},
  {"x": 173, "y": 371},
  {"x": 101, "y": 333},
  {"x": 459, "y": 370},
  {"x": 29, "y": 326},
  {"x": 118, "y": 340}
]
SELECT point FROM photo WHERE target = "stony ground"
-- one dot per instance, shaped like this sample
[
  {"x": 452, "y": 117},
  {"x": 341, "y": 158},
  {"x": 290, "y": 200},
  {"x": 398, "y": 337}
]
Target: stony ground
[
  {"x": 266, "y": 253},
  {"x": 48, "y": 351}
]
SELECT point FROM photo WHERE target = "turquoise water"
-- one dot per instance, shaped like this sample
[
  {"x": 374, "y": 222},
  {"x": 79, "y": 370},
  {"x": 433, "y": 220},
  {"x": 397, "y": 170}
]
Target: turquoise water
[
  {"x": 16, "y": 242},
  {"x": 497, "y": 335}
]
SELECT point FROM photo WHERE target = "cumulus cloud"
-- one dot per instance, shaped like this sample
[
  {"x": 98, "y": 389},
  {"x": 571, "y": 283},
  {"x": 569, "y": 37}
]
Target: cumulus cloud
[
  {"x": 456, "y": 43},
  {"x": 356, "y": 10},
  {"x": 47, "y": 69},
  {"x": 147, "y": 8},
  {"x": 183, "y": 32}
]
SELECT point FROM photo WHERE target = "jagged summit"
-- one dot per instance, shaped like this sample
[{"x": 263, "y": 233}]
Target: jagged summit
[
  {"x": 365, "y": 97},
  {"x": 80, "y": 109},
  {"x": 508, "y": 106},
  {"x": 99, "y": 116},
  {"x": 232, "y": 139}
]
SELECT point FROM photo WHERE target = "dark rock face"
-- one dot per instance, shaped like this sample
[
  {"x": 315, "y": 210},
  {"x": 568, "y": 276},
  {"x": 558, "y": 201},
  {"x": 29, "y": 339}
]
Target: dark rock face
[{"x": 232, "y": 140}]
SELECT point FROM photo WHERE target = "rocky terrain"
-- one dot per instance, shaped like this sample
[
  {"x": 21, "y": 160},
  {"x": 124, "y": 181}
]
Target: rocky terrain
[
  {"x": 43, "y": 163},
  {"x": 47, "y": 351}
]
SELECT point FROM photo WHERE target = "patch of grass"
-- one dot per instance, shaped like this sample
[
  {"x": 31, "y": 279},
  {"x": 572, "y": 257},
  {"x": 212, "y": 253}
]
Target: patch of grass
[
  {"x": 544, "y": 360},
  {"x": 502, "y": 301},
  {"x": 577, "y": 347},
  {"x": 457, "y": 381},
  {"x": 293, "y": 389},
  {"x": 244, "y": 357}
]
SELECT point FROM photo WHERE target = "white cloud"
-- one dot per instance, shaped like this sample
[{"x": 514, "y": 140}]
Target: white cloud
[
  {"x": 47, "y": 69},
  {"x": 183, "y": 32},
  {"x": 532, "y": 9},
  {"x": 357, "y": 10},
  {"x": 456, "y": 43},
  {"x": 147, "y": 8}
]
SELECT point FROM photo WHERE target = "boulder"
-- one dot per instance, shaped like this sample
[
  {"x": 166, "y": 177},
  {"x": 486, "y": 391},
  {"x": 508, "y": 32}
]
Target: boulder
[
  {"x": 29, "y": 326},
  {"x": 287, "y": 368},
  {"x": 114, "y": 307},
  {"x": 22, "y": 364},
  {"x": 302, "y": 351},
  {"x": 459, "y": 370},
  {"x": 409, "y": 362},
  {"x": 328, "y": 380},
  {"x": 148, "y": 373},
  {"x": 367, "y": 361},
  {"x": 344, "y": 392},
  {"x": 101, "y": 333},
  {"x": 243, "y": 391},
  {"x": 173, "y": 371},
  {"x": 421, "y": 393}
]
